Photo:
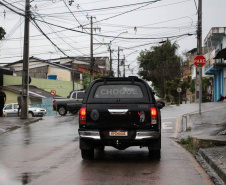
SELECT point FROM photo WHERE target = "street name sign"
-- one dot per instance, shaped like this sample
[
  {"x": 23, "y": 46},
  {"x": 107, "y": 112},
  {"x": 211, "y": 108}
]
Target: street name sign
[{"x": 199, "y": 61}]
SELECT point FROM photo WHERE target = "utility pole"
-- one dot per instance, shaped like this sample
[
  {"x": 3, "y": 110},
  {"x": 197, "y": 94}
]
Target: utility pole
[
  {"x": 110, "y": 61},
  {"x": 110, "y": 50},
  {"x": 199, "y": 52},
  {"x": 73, "y": 75},
  {"x": 92, "y": 59},
  {"x": 124, "y": 67},
  {"x": 25, "y": 77},
  {"x": 118, "y": 59},
  {"x": 91, "y": 51}
]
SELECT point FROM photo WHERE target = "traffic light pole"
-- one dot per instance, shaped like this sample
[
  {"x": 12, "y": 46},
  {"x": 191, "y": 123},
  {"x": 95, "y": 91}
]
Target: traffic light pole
[{"x": 25, "y": 77}]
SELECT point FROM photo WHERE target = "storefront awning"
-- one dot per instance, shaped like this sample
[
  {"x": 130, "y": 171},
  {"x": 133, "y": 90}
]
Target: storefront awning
[
  {"x": 221, "y": 54},
  {"x": 212, "y": 70}
]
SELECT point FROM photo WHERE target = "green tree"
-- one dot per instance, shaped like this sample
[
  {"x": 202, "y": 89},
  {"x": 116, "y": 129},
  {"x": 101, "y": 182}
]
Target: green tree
[
  {"x": 86, "y": 79},
  {"x": 160, "y": 65},
  {"x": 2, "y": 33}
]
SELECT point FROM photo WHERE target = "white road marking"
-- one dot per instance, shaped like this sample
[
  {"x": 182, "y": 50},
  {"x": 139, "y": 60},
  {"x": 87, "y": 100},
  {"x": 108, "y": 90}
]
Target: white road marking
[
  {"x": 165, "y": 125},
  {"x": 170, "y": 118}
]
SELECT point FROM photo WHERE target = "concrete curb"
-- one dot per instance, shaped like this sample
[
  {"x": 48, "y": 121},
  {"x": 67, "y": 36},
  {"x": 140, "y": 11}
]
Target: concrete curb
[
  {"x": 221, "y": 172},
  {"x": 208, "y": 141},
  {"x": 15, "y": 127},
  {"x": 209, "y": 170},
  {"x": 32, "y": 121}
]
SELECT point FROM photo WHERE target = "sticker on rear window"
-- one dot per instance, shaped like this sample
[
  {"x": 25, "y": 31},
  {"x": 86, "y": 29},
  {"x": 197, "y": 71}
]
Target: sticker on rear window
[{"x": 118, "y": 91}]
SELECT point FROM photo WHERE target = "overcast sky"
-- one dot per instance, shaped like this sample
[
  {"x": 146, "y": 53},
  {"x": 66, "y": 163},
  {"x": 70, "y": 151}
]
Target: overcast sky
[{"x": 140, "y": 24}]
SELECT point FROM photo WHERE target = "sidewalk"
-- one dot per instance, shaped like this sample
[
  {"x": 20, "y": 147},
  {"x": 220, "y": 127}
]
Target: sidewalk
[
  {"x": 11, "y": 123},
  {"x": 208, "y": 131}
]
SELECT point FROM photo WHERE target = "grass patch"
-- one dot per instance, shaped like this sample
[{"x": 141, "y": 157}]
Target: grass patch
[{"x": 188, "y": 144}]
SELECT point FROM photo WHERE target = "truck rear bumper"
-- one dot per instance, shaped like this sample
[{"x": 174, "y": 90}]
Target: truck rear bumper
[
  {"x": 90, "y": 134},
  {"x": 144, "y": 134}
]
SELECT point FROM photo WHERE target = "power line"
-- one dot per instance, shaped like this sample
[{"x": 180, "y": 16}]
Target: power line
[
  {"x": 132, "y": 38},
  {"x": 61, "y": 37},
  {"x": 72, "y": 13},
  {"x": 127, "y": 11},
  {"x": 11, "y": 9},
  {"x": 113, "y": 7},
  {"x": 48, "y": 38}
]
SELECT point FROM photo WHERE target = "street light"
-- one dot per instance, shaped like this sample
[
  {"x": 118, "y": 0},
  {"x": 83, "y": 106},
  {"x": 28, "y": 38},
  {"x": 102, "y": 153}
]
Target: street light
[
  {"x": 118, "y": 36},
  {"x": 111, "y": 51}
]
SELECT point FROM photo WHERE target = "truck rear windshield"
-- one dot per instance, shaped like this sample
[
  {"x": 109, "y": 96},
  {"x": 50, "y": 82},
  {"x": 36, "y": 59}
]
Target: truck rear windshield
[{"x": 119, "y": 91}]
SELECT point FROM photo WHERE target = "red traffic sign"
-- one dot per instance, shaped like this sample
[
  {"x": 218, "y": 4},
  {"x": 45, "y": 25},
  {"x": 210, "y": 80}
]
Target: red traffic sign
[
  {"x": 179, "y": 89},
  {"x": 199, "y": 61},
  {"x": 52, "y": 92}
]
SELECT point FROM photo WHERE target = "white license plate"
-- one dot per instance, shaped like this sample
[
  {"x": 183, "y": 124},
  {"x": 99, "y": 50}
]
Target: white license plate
[{"x": 118, "y": 133}]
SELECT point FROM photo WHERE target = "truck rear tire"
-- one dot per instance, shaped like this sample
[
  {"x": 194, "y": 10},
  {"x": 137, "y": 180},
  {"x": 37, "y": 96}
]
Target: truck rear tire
[
  {"x": 87, "y": 154},
  {"x": 62, "y": 111},
  {"x": 155, "y": 154}
]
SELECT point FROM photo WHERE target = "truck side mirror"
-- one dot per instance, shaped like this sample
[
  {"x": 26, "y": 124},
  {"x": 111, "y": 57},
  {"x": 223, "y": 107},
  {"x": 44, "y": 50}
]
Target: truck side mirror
[{"x": 160, "y": 104}]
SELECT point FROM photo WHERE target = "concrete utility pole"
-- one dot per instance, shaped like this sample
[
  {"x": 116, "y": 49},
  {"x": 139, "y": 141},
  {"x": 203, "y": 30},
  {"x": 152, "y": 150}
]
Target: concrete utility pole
[
  {"x": 91, "y": 51},
  {"x": 199, "y": 52},
  {"x": 118, "y": 59},
  {"x": 73, "y": 75},
  {"x": 124, "y": 67},
  {"x": 92, "y": 59},
  {"x": 110, "y": 50},
  {"x": 25, "y": 77}
]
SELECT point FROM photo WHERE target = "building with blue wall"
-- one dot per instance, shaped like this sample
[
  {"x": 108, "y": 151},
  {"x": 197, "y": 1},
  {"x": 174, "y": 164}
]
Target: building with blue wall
[{"x": 217, "y": 64}]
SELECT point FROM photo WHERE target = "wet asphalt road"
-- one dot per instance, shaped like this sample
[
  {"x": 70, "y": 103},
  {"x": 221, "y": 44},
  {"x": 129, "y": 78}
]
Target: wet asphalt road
[{"x": 48, "y": 152}]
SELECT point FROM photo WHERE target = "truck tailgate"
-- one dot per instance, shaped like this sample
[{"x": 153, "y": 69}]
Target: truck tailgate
[{"x": 125, "y": 116}]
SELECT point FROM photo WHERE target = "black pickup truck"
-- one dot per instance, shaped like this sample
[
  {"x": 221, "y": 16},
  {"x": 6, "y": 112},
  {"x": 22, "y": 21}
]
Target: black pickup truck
[
  {"x": 120, "y": 112},
  {"x": 72, "y": 103}
]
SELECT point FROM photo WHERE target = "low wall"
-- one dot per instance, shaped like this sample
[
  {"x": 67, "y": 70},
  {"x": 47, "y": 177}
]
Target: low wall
[{"x": 62, "y": 88}]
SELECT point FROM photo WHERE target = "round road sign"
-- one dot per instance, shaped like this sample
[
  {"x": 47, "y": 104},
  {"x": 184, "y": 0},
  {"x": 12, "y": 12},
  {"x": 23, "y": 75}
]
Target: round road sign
[
  {"x": 52, "y": 92},
  {"x": 179, "y": 89}
]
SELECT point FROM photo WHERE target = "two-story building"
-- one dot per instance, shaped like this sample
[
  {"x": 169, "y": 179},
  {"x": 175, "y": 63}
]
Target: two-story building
[
  {"x": 216, "y": 63},
  {"x": 189, "y": 72}
]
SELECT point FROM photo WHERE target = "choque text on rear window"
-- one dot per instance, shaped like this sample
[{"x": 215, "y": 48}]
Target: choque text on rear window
[{"x": 118, "y": 91}]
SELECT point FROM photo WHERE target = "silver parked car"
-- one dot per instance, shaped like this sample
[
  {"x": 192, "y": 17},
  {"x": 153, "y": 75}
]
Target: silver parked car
[{"x": 12, "y": 108}]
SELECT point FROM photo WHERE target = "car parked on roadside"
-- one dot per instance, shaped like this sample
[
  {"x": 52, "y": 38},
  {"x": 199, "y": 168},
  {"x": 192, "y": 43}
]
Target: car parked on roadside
[
  {"x": 71, "y": 104},
  {"x": 11, "y": 110},
  {"x": 120, "y": 112}
]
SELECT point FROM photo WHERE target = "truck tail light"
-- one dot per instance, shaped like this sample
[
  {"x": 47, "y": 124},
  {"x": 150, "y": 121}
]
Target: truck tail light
[
  {"x": 82, "y": 116},
  {"x": 53, "y": 101},
  {"x": 153, "y": 115}
]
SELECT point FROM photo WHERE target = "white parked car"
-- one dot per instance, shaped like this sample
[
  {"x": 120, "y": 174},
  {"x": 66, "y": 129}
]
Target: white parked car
[{"x": 12, "y": 108}]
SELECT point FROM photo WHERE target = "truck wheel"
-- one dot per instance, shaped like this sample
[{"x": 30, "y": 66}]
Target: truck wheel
[
  {"x": 155, "y": 154},
  {"x": 87, "y": 154},
  {"x": 62, "y": 111}
]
